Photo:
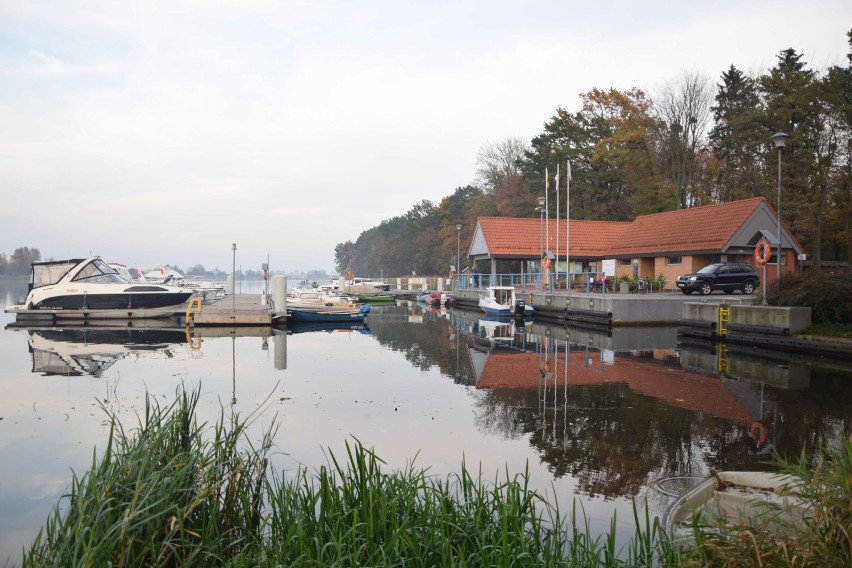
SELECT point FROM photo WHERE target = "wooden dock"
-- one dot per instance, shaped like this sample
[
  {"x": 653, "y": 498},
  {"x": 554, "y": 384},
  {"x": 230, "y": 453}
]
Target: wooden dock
[{"x": 237, "y": 309}]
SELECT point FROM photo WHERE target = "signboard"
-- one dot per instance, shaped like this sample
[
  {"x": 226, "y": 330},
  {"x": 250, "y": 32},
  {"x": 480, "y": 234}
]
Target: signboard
[
  {"x": 609, "y": 267},
  {"x": 803, "y": 256}
]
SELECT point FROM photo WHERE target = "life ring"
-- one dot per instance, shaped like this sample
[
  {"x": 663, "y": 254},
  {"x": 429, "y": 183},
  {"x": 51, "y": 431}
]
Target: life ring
[
  {"x": 452, "y": 273},
  {"x": 758, "y": 432},
  {"x": 545, "y": 368},
  {"x": 546, "y": 262},
  {"x": 762, "y": 252}
]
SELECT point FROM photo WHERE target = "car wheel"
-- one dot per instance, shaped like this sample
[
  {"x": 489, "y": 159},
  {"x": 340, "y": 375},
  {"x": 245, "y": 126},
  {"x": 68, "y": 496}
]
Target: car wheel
[
  {"x": 705, "y": 289},
  {"x": 748, "y": 288}
]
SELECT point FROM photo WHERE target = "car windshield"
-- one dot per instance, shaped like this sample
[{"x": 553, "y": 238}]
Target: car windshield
[{"x": 710, "y": 269}]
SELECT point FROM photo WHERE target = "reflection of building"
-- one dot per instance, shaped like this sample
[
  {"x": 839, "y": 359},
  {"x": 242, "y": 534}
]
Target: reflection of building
[
  {"x": 729, "y": 400},
  {"x": 91, "y": 351}
]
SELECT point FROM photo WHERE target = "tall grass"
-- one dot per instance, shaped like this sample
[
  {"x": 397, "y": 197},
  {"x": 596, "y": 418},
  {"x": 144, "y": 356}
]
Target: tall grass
[{"x": 173, "y": 492}]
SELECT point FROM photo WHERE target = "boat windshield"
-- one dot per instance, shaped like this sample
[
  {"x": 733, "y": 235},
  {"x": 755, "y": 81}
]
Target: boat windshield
[{"x": 100, "y": 272}]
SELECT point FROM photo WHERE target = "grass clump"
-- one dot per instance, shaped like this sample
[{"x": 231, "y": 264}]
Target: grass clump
[{"x": 164, "y": 495}]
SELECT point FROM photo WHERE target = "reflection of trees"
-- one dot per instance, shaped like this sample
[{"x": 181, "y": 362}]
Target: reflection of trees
[{"x": 424, "y": 345}]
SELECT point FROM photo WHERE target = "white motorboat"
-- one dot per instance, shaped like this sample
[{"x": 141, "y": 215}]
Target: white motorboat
[
  {"x": 736, "y": 498},
  {"x": 90, "y": 288},
  {"x": 503, "y": 301}
]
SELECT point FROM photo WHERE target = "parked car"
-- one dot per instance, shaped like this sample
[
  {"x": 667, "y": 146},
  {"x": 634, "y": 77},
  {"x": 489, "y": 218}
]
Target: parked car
[{"x": 725, "y": 276}]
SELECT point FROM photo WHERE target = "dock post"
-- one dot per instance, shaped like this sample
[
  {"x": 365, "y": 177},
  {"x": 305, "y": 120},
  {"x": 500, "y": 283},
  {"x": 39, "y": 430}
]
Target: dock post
[{"x": 279, "y": 300}]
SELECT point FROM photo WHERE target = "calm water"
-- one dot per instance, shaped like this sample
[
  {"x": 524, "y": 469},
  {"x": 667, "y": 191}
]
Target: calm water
[{"x": 598, "y": 417}]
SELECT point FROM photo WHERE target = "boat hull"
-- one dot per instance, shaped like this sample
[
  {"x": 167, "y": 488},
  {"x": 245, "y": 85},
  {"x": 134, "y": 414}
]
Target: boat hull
[
  {"x": 736, "y": 497},
  {"x": 297, "y": 314},
  {"x": 111, "y": 301}
]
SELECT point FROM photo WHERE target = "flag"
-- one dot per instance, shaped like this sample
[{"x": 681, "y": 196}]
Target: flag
[
  {"x": 557, "y": 179},
  {"x": 546, "y": 180},
  {"x": 568, "y": 173}
]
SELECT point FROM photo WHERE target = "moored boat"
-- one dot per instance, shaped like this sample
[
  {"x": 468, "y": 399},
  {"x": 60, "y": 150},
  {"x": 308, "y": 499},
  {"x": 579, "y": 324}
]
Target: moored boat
[
  {"x": 736, "y": 498},
  {"x": 503, "y": 301},
  {"x": 90, "y": 288}
]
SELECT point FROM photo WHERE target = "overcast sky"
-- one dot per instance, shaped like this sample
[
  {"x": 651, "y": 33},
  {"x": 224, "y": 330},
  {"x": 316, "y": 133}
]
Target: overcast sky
[{"x": 162, "y": 132}]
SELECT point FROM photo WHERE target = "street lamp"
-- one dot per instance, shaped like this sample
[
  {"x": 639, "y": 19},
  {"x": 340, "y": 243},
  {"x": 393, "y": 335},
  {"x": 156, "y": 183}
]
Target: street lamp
[
  {"x": 779, "y": 138},
  {"x": 458, "y": 258},
  {"x": 234, "y": 278}
]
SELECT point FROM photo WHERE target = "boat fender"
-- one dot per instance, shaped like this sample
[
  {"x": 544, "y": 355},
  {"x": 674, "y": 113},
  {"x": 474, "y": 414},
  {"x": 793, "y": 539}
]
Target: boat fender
[
  {"x": 365, "y": 309},
  {"x": 758, "y": 432}
]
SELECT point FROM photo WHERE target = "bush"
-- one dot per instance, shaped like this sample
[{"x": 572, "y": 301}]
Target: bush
[{"x": 828, "y": 294}]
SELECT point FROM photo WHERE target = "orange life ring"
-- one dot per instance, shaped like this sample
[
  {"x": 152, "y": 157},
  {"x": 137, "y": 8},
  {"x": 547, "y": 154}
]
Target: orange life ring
[
  {"x": 452, "y": 273},
  {"x": 546, "y": 262},
  {"x": 758, "y": 432},
  {"x": 762, "y": 252},
  {"x": 545, "y": 368}
]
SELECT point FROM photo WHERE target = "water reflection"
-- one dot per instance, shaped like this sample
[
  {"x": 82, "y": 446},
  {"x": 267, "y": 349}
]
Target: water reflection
[
  {"x": 612, "y": 410},
  {"x": 618, "y": 409},
  {"x": 92, "y": 351}
]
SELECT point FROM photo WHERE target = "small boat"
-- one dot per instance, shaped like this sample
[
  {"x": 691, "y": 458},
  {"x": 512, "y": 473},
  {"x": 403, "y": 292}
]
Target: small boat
[
  {"x": 430, "y": 298},
  {"x": 736, "y": 498},
  {"x": 90, "y": 288},
  {"x": 331, "y": 313},
  {"x": 503, "y": 301},
  {"x": 376, "y": 298}
]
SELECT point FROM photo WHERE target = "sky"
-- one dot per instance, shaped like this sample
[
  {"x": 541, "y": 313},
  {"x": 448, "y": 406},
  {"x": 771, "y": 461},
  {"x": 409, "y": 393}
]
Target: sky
[{"x": 164, "y": 132}]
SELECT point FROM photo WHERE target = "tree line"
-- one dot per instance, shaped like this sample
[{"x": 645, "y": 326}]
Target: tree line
[{"x": 631, "y": 153}]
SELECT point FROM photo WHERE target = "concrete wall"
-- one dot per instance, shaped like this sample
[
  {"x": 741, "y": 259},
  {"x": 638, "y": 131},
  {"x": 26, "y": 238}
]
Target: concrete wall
[{"x": 794, "y": 319}]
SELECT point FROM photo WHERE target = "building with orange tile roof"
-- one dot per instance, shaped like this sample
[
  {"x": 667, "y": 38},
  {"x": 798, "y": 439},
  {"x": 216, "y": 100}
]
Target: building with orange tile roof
[{"x": 668, "y": 244}]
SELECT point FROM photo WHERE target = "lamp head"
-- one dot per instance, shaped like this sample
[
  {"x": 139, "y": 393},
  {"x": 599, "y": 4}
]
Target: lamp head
[
  {"x": 541, "y": 201},
  {"x": 780, "y": 139},
  {"x": 458, "y": 227}
]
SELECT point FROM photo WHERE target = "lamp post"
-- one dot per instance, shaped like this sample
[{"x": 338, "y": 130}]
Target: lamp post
[
  {"x": 458, "y": 258},
  {"x": 234, "y": 278},
  {"x": 779, "y": 138}
]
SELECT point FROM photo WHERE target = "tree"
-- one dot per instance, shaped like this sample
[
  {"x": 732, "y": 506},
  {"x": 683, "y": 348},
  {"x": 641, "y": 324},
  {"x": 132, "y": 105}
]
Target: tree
[
  {"x": 498, "y": 162},
  {"x": 683, "y": 107},
  {"x": 4, "y": 263},
  {"x": 343, "y": 256},
  {"x": 22, "y": 259},
  {"x": 738, "y": 137}
]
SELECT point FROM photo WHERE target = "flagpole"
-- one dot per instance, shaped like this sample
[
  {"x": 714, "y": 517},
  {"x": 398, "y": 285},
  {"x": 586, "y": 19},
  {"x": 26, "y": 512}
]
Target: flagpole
[
  {"x": 568, "y": 225},
  {"x": 556, "y": 264},
  {"x": 546, "y": 211}
]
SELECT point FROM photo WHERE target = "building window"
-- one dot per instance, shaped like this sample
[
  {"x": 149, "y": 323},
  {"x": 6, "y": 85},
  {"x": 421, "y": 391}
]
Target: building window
[
  {"x": 625, "y": 262},
  {"x": 673, "y": 260}
]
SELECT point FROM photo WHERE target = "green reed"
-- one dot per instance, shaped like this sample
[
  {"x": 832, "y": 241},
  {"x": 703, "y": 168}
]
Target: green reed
[{"x": 173, "y": 492}]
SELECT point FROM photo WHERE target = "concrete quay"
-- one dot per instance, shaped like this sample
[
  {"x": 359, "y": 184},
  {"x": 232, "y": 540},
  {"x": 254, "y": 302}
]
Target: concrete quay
[{"x": 610, "y": 309}]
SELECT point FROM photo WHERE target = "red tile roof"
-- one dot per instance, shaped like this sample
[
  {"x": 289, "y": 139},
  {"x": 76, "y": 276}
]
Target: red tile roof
[
  {"x": 697, "y": 229},
  {"x": 511, "y": 237}
]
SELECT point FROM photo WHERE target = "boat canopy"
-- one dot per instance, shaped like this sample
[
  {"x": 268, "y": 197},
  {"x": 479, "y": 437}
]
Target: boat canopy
[{"x": 50, "y": 272}]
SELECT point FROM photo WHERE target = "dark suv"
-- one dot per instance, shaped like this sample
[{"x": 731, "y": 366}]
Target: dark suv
[{"x": 725, "y": 276}]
